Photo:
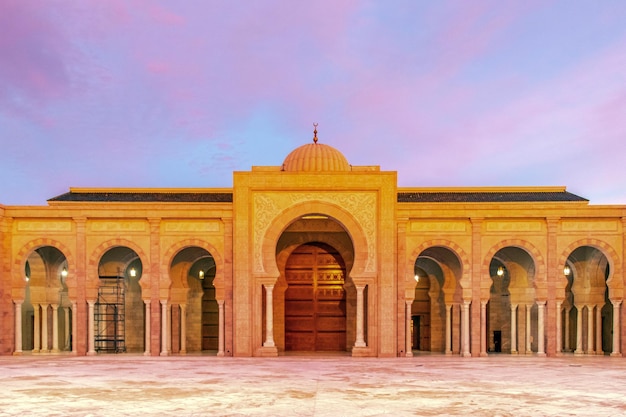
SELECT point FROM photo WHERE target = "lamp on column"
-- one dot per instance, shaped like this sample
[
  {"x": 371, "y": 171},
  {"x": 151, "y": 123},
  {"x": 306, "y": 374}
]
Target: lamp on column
[
  {"x": 417, "y": 278},
  {"x": 132, "y": 272},
  {"x": 500, "y": 271},
  {"x": 567, "y": 271},
  {"x": 64, "y": 272}
]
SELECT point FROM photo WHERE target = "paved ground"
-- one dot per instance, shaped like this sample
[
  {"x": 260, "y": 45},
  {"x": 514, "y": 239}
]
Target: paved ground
[{"x": 503, "y": 385}]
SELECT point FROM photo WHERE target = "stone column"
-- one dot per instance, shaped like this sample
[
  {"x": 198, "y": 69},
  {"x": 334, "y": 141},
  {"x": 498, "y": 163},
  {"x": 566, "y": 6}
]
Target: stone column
[
  {"x": 163, "y": 328},
  {"x": 360, "y": 339},
  {"x": 559, "y": 335},
  {"x": 37, "y": 331},
  {"x": 483, "y": 328},
  {"x": 590, "y": 337},
  {"x": 220, "y": 321},
  {"x": 18, "y": 327},
  {"x": 599, "y": 350},
  {"x": 529, "y": 347},
  {"x": 90, "y": 326},
  {"x": 448, "y": 329},
  {"x": 148, "y": 351},
  {"x": 183, "y": 328},
  {"x": 74, "y": 324},
  {"x": 513, "y": 329},
  {"x": 169, "y": 329},
  {"x": 579, "y": 331},
  {"x": 567, "y": 329},
  {"x": 616, "y": 328},
  {"x": 66, "y": 328},
  {"x": 44, "y": 328},
  {"x": 269, "y": 315},
  {"x": 408, "y": 345},
  {"x": 541, "y": 328},
  {"x": 466, "y": 329},
  {"x": 55, "y": 328}
]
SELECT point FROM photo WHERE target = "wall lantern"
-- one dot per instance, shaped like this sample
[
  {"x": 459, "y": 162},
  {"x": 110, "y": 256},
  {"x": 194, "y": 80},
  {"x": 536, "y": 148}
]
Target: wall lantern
[
  {"x": 133, "y": 272},
  {"x": 417, "y": 278},
  {"x": 64, "y": 272},
  {"x": 201, "y": 274},
  {"x": 500, "y": 271},
  {"x": 567, "y": 271}
]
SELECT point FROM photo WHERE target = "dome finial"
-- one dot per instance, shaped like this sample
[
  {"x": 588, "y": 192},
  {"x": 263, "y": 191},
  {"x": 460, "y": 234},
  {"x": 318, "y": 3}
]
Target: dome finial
[{"x": 315, "y": 133}]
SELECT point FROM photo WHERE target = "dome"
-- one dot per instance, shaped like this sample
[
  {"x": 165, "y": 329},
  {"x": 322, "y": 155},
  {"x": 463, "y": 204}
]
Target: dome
[{"x": 315, "y": 157}]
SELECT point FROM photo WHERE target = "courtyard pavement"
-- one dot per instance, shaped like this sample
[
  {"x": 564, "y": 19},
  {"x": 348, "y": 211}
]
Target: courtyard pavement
[{"x": 503, "y": 385}]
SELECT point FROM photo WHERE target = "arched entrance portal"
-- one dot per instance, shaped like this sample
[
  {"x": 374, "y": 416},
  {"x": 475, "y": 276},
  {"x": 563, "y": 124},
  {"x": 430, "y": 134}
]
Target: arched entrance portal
[
  {"x": 436, "y": 307},
  {"x": 46, "y": 312},
  {"x": 195, "y": 313},
  {"x": 512, "y": 318},
  {"x": 587, "y": 318},
  {"x": 315, "y": 299},
  {"x": 118, "y": 313}
]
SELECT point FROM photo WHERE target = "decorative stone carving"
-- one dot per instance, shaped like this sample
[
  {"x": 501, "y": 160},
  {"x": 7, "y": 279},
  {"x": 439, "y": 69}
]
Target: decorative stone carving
[{"x": 268, "y": 206}]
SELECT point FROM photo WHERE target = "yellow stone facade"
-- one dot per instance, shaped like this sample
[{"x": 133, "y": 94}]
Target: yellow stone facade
[{"x": 313, "y": 255}]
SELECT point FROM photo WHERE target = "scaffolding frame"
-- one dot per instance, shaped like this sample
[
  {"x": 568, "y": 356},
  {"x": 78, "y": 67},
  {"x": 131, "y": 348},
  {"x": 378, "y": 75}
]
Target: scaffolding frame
[{"x": 109, "y": 315}]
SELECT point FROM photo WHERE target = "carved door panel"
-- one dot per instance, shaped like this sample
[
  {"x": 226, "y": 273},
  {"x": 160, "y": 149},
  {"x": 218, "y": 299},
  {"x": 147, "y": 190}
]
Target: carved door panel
[{"x": 315, "y": 300}]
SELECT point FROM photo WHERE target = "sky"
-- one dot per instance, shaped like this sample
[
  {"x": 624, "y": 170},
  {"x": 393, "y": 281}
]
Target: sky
[{"x": 149, "y": 93}]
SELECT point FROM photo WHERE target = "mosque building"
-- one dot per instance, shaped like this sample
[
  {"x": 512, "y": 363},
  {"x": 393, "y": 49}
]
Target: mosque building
[{"x": 315, "y": 255}]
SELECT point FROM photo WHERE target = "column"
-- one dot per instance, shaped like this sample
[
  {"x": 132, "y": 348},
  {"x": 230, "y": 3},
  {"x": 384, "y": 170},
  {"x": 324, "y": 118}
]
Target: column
[
  {"x": 360, "y": 340},
  {"x": 579, "y": 331},
  {"x": 559, "y": 335},
  {"x": 590, "y": 337},
  {"x": 466, "y": 329},
  {"x": 220, "y": 334},
  {"x": 74, "y": 324},
  {"x": 37, "y": 331},
  {"x": 169, "y": 329},
  {"x": 66, "y": 335},
  {"x": 163, "y": 328},
  {"x": 408, "y": 345},
  {"x": 483, "y": 328},
  {"x": 541, "y": 328},
  {"x": 513, "y": 329},
  {"x": 18, "y": 327},
  {"x": 616, "y": 328},
  {"x": 44, "y": 328},
  {"x": 269, "y": 315},
  {"x": 183, "y": 328},
  {"x": 599, "y": 350},
  {"x": 147, "y": 331},
  {"x": 90, "y": 326},
  {"x": 567, "y": 328},
  {"x": 448, "y": 329},
  {"x": 529, "y": 347},
  {"x": 55, "y": 328}
]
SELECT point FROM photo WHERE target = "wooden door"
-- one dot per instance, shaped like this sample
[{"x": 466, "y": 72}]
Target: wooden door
[{"x": 315, "y": 300}]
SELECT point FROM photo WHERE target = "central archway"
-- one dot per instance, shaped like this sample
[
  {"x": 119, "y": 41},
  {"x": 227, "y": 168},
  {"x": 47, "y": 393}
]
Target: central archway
[{"x": 315, "y": 299}]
